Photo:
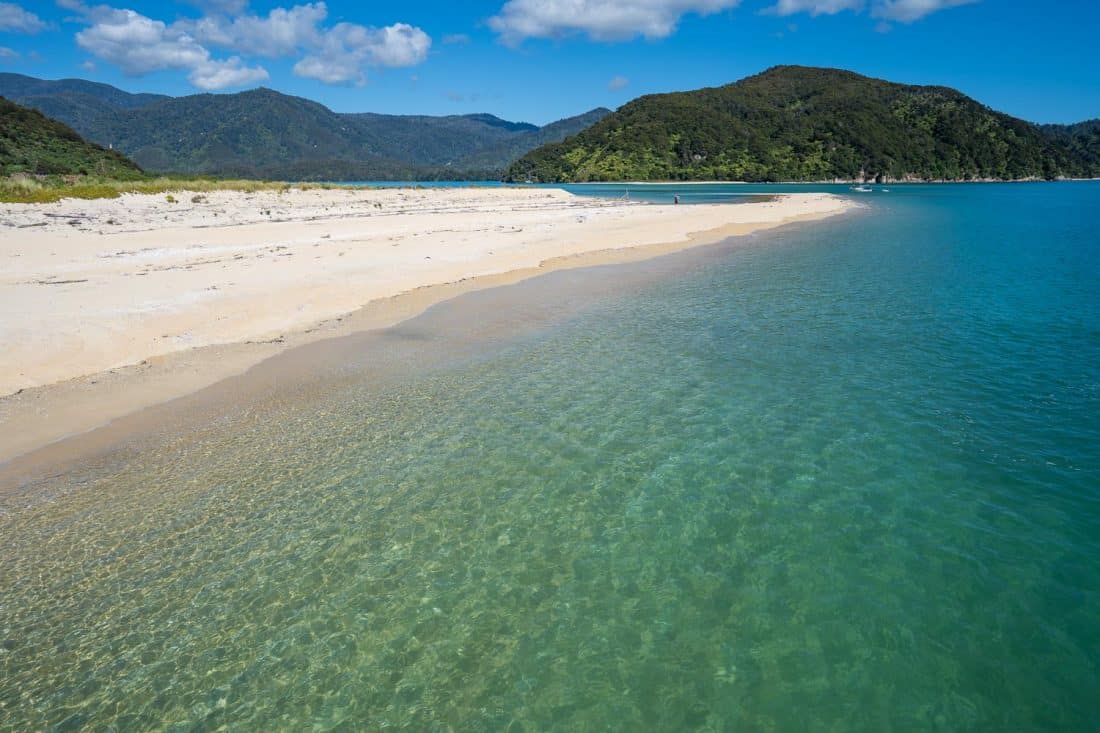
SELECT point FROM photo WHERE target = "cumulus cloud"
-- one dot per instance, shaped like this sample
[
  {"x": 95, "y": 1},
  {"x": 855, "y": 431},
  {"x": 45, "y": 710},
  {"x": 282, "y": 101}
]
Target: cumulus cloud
[
  {"x": 399, "y": 44},
  {"x": 815, "y": 7},
  {"x": 138, "y": 44},
  {"x": 335, "y": 55},
  {"x": 908, "y": 11},
  {"x": 214, "y": 75},
  {"x": 617, "y": 82},
  {"x": 15, "y": 19},
  {"x": 347, "y": 48},
  {"x": 280, "y": 33},
  {"x": 601, "y": 20}
]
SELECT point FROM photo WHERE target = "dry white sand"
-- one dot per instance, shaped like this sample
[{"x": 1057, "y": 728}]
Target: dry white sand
[{"x": 107, "y": 306}]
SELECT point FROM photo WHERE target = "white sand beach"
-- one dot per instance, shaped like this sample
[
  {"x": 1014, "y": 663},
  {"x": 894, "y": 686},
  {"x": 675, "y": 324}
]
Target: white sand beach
[{"x": 108, "y": 306}]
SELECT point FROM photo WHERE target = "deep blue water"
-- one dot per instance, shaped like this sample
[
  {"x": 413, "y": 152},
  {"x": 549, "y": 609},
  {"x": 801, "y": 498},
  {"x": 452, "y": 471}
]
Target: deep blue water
[{"x": 840, "y": 476}]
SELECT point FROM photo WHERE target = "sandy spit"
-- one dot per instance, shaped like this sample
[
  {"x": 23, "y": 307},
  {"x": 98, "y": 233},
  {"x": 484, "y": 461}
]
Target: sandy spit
[{"x": 110, "y": 306}]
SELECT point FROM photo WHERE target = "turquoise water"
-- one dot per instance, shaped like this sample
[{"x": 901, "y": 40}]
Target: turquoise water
[
  {"x": 662, "y": 193},
  {"x": 845, "y": 476},
  {"x": 712, "y": 193}
]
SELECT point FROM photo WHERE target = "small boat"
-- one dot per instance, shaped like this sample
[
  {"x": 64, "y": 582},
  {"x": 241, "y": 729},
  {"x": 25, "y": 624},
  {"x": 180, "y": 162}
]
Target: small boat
[{"x": 861, "y": 189}]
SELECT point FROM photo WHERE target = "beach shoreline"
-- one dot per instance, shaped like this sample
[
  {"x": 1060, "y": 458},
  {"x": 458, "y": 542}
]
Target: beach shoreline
[
  {"x": 835, "y": 182},
  {"x": 562, "y": 232}
]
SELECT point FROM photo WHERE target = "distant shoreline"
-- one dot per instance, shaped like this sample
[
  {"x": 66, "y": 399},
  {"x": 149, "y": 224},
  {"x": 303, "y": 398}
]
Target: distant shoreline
[{"x": 806, "y": 183}]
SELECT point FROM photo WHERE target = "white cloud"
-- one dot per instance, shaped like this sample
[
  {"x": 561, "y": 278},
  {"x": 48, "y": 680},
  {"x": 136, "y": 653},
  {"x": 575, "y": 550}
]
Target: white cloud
[
  {"x": 338, "y": 54},
  {"x": 138, "y": 44},
  {"x": 815, "y": 7},
  {"x": 8, "y": 53},
  {"x": 399, "y": 44},
  {"x": 618, "y": 82},
  {"x": 281, "y": 33},
  {"x": 331, "y": 69},
  {"x": 16, "y": 19},
  {"x": 232, "y": 72},
  {"x": 347, "y": 49},
  {"x": 907, "y": 11},
  {"x": 601, "y": 20}
]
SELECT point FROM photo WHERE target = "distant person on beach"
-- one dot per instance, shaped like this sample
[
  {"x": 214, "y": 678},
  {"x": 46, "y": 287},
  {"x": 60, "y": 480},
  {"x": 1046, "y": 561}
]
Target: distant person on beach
[{"x": 676, "y": 199}]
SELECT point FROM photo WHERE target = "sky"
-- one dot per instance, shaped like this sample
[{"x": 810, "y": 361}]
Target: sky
[{"x": 541, "y": 60}]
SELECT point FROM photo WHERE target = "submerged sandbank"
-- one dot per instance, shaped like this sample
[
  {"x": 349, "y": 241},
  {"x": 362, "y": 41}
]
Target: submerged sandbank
[{"x": 113, "y": 306}]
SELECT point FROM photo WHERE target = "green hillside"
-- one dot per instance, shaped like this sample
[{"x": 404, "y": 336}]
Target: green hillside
[
  {"x": 265, "y": 134},
  {"x": 794, "y": 123},
  {"x": 1083, "y": 142},
  {"x": 32, "y": 143},
  {"x": 496, "y": 155}
]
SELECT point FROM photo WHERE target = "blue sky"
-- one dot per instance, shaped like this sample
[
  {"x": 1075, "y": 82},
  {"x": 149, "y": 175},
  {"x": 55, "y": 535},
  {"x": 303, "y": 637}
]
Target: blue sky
[{"x": 540, "y": 60}]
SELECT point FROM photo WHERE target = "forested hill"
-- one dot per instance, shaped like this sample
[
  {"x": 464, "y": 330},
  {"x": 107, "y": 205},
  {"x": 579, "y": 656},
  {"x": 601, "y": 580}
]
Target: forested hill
[
  {"x": 1083, "y": 142},
  {"x": 265, "y": 134},
  {"x": 32, "y": 143},
  {"x": 794, "y": 123}
]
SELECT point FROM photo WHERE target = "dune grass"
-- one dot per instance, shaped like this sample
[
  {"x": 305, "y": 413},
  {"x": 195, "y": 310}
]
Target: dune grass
[{"x": 26, "y": 189}]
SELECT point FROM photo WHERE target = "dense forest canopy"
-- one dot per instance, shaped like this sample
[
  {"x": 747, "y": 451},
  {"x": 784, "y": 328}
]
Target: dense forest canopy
[
  {"x": 34, "y": 144},
  {"x": 264, "y": 134},
  {"x": 789, "y": 123},
  {"x": 795, "y": 123},
  {"x": 1083, "y": 142}
]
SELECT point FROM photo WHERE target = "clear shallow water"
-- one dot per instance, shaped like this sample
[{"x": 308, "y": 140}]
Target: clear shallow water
[
  {"x": 846, "y": 478},
  {"x": 708, "y": 193}
]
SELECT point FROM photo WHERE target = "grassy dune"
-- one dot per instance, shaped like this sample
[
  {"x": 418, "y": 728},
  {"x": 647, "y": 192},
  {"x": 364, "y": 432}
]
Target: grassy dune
[{"x": 26, "y": 189}]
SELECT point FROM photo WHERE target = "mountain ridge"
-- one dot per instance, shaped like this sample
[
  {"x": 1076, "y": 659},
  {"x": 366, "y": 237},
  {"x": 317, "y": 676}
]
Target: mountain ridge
[
  {"x": 797, "y": 123},
  {"x": 791, "y": 123},
  {"x": 262, "y": 133}
]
